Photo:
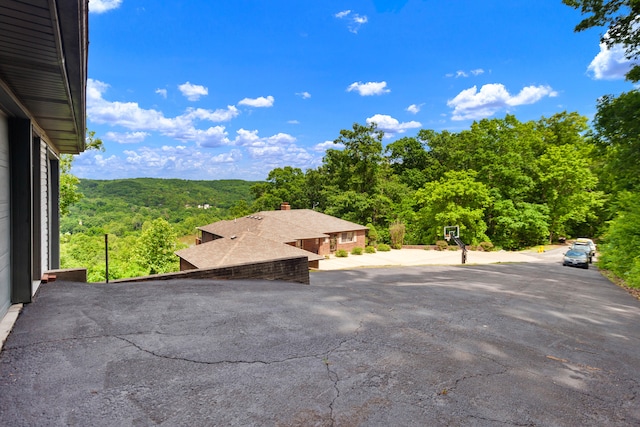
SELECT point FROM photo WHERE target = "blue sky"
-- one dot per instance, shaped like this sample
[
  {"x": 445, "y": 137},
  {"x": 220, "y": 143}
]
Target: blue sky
[{"x": 204, "y": 89}]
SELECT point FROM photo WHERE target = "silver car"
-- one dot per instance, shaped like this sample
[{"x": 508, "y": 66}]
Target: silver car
[{"x": 576, "y": 258}]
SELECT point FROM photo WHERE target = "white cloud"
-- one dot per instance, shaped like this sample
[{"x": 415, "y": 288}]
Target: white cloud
[
  {"x": 162, "y": 93},
  {"x": 219, "y": 115},
  {"x": 274, "y": 151},
  {"x": 610, "y": 64},
  {"x": 178, "y": 161},
  {"x": 250, "y": 138},
  {"x": 126, "y": 137},
  {"x": 260, "y": 102},
  {"x": 354, "y": 21},
  {"x": 462, "y": 73},
  {"x": 391, "y": 126},
  {"x": 252, "y": 155},
  {"x": 215, "y": 136},
  {"x": 324, "y": 146},
  {"x": 304, "y": 95},
  {"x": 471, "y": 104},
  {"x": 293, "y": 122},
  {"x": 101, "y": 6},
  {"x": 369, "y": 88},
  {"x": 414, "y": 109},
  {"x": 193, "y": 92},
  {"x": 131, "y": 116}
]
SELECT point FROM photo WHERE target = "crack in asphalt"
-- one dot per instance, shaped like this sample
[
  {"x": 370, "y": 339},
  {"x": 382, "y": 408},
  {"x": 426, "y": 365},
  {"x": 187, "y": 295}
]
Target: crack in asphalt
[
  {"x": 217, "y": 362},
  {"x": 332, "y": 374}
]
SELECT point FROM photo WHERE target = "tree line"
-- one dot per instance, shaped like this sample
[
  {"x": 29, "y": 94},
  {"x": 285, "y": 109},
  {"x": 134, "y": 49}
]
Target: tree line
[{"x": 514, "y": 184}]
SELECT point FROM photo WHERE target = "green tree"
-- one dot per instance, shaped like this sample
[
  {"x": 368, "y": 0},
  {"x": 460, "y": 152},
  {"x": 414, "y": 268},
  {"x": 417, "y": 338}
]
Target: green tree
[
  {"x": 372, "y": 235},
  {"x": 619, "y": 251},
  {"x": 502, "y": 151},
  {"x": 239, "y": 209},
  {"x": 410, "y": 161},
  {"x": 361, "y": 157},
  {"x": 515, "y": 225},
  {"x": 617, "y": 126},
  {"x": 456, "y": 199},
  {"x": 567, "y": 186},
  {"x": 156, "y": 246},
  {"x": 69, "y": 193},
  {"x": 285, "y": 184}
]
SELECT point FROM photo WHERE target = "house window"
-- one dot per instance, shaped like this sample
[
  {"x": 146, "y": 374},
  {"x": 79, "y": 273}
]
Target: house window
[{"x": 347, "y": 237}]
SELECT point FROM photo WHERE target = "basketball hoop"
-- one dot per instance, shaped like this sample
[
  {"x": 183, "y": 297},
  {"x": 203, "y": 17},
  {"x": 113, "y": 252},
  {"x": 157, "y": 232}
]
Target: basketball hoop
[{"x": 451, "y": 231}]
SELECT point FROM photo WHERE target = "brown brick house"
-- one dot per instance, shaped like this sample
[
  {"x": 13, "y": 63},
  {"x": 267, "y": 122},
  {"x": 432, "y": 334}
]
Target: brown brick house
[{"x": 304, "y": 228}]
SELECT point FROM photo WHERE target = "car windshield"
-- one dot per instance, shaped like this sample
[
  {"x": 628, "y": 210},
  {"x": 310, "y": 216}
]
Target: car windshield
[{"x": 575, "y": 254}]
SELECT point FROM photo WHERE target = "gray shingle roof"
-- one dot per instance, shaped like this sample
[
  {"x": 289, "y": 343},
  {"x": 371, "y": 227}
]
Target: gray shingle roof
[
  {"x": 244, "y": 248},
  {"x": 284, "y": 225}
]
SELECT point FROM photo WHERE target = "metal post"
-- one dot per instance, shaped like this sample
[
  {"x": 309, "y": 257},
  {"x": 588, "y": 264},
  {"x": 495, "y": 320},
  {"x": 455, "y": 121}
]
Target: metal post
[{"x": 106, "y": 257}]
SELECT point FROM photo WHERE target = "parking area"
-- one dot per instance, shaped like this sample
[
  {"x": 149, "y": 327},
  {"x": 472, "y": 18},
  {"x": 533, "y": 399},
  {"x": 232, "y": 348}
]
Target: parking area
[{"x": 510, "y": 344}]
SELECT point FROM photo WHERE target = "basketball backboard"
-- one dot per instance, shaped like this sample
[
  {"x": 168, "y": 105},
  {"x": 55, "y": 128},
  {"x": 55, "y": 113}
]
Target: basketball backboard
[{"x": 451, "y": 231}]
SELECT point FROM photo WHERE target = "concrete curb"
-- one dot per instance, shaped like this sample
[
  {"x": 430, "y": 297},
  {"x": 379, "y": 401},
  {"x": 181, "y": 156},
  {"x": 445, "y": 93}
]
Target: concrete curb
[{"x": 7, "y": 322}]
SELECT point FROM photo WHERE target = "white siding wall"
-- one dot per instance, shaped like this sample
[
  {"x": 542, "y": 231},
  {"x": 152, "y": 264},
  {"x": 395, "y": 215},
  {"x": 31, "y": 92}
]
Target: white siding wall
[
  {"x": 5, "y": 218},
  {"x": 44, "y": 206}
]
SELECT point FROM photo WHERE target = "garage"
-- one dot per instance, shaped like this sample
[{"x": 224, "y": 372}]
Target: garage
[
  {"x": 5, "y": 230},
  {"x": 43, "y": 77}
]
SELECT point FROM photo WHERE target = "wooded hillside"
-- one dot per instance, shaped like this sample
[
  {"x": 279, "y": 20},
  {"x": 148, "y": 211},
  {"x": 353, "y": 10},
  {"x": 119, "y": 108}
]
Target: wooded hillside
[
  {"x": 122, "y": 206},
  {"x": 145, "y": 219}
]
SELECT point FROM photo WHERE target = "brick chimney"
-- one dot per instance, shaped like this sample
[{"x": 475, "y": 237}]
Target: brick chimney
[{"x": 284, "y": 206}]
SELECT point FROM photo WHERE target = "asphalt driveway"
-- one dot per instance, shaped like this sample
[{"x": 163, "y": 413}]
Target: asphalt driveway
[{"x": 480, "y": 345}]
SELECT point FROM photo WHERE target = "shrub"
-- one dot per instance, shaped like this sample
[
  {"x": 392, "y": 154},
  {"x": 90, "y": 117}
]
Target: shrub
[
  {"x": 383, "y": 247},
  {"x": 372, "y": 235},
  {"x": 370, "y": 250},
  {"x": 341, "y": 253},
  {"x": 486, "y": 246},
  {"x": 357, "y": 251},
  {"x": 397, "y": 231},
  {"x": 442, "y": 245}
]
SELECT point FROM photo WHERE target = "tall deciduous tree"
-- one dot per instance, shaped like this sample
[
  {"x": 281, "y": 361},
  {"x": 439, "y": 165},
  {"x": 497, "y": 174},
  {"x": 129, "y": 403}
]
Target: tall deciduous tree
[
  {"x": 456, "y": 199},
  {"x": 617, "y": 126},
  {"x": 156, "y": 246},
  {"x": 285, "y": 184},
  {"x": 567, "y": 186},
  {"x": 362, "y": 154}
]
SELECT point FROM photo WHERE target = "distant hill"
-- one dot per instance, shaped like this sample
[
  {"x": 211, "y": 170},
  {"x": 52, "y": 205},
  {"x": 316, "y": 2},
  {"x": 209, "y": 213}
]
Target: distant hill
[
  {"x": 168, "y": 193},
  {"x": 123, "y": 205}
]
